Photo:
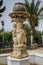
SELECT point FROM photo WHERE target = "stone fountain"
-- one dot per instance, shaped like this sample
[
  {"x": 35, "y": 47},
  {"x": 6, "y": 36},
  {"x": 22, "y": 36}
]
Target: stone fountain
[{"x": 19, "y": 55}]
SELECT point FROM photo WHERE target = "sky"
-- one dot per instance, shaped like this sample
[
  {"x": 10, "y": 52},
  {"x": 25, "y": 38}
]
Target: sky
[{"x": 9, "y": 8}]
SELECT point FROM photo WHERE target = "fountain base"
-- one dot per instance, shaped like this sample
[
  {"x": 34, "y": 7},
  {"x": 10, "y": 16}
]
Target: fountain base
[{"x": 14, "y": 61}]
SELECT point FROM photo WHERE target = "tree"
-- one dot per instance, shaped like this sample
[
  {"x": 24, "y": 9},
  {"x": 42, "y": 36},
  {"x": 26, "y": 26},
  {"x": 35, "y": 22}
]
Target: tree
[
  {"x": 27, "y": 28},
  {"x": 2, "y": 22},
  {"x": 35, "y": 12},
  {"x": 2, "y": 9}
]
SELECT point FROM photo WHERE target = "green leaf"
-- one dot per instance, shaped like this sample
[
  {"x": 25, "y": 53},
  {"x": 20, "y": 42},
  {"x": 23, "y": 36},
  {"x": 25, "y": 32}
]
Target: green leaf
[
  {"x": 1, "y": 3},
  {"x": 32, "y": 6},
  {"x": 35, "y": 13},
  {"x": 40, "y": 18},
  {"x": 3, "y": 9},
  {"x": 27, "y": 5},
  {"x": 37, "y": 6},
  {"x": 0, "y": 15},
  {"x": 41, "y": 10},
  {"x": 2, "y": 22}
]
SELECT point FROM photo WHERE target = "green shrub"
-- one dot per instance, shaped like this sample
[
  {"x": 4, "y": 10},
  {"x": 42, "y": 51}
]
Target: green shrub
[
  {"x": 7, "y": 39},
  {"x": 38, "y": 37},
  {"x": 1, "y": 39},
  {"x": 34, "y": 46}
]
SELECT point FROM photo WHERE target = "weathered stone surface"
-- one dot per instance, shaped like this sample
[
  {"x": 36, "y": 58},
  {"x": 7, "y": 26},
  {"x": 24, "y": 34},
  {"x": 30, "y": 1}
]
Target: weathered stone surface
[
  {"x": 19, "y": 15},
  {"x": 13, "y": 61}
]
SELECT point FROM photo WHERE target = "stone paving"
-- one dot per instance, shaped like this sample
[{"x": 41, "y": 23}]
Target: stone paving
[
  {"x": 39, "y": 50},
  {"x": 30, "y": 64},
  {"x": 33, "y": 64}
]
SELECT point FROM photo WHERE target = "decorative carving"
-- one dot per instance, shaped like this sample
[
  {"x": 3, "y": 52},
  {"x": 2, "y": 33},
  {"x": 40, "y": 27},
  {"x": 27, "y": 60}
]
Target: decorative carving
[
  {"x": 14, "y": 34},
  {"x": 19, "y": 33}
]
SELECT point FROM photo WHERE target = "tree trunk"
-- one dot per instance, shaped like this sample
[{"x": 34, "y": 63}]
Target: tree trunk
[
  {"x": 32, "y": 33},
  {"x": 3, "y": 34}
]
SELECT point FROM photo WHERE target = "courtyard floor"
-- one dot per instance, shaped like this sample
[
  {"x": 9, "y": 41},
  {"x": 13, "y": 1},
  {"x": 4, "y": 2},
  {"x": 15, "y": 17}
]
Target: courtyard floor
[
  {"x": 30, "y": 64},
  {"x": 38, "y": 50}
]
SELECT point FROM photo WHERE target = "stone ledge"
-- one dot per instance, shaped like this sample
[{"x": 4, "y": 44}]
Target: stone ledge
[{"x": 14, "y": 59}]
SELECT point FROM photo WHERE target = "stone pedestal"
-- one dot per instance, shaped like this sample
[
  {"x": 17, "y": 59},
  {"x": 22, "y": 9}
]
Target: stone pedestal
[
  {"x": 14, "y": 61},
  {"x": 31, "y": 40},
  {"x": 42, "y": 39}
]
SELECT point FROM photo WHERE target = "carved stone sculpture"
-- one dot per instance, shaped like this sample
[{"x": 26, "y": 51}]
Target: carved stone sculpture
[
  {"x": 19, "y": 15},
  {"x": 14, "y": 35}
]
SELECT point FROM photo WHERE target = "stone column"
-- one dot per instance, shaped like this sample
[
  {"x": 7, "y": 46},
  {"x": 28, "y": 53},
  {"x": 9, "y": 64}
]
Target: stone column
[
  {"x": 31, "y": 38},
  {"x": 19, "y": 38},
  {"x": 42, "y": 37}
]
